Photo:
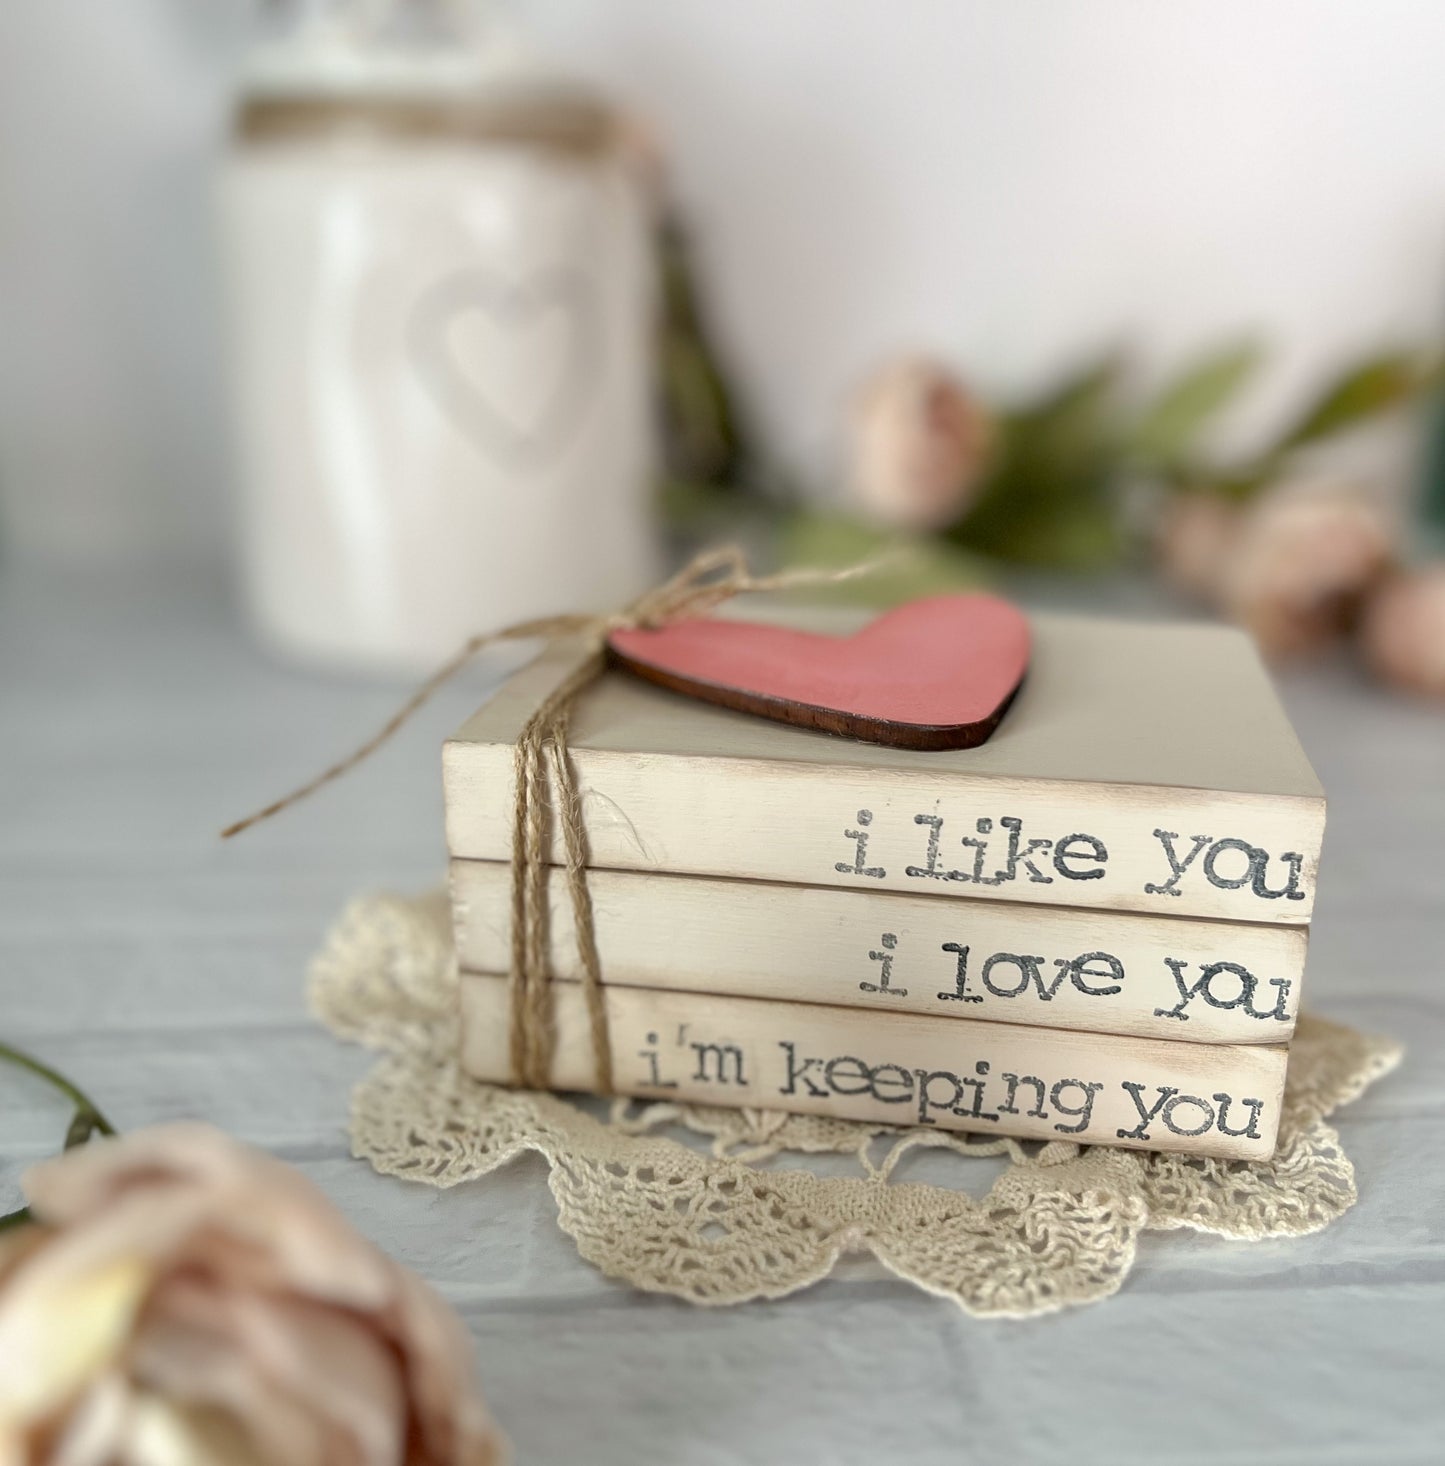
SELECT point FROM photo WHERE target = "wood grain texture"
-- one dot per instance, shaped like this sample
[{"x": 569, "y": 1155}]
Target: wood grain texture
[
  {"x": 888, "y": 732},
  {"x": 893, "y": 953},
  {"x": 900, "y": 1069},
  {"x": 935, "y": 673}
]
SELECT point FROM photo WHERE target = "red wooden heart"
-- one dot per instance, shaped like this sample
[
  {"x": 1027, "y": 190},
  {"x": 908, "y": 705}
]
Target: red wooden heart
[{"x": 935, "y": 673}]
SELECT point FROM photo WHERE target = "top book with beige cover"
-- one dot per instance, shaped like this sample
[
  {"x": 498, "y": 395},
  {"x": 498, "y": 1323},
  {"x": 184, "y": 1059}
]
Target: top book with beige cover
[{"x": 1141, "y": 767}]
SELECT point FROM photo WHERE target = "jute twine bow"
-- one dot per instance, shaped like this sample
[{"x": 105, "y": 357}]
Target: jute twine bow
[{"x": 545, "y": 780}]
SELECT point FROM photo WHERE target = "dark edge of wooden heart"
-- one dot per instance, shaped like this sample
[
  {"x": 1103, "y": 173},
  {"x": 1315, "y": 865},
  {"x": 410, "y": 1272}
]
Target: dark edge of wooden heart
[{"x": 919, "y": 737}]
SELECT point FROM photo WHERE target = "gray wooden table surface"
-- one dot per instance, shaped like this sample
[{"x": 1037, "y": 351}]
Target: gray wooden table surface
[{"x": 164, "y": 972}]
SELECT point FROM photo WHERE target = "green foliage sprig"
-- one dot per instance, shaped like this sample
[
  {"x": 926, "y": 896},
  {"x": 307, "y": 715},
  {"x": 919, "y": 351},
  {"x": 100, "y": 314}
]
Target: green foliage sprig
[
  {"x": 1055, "y": 495},
  {"x": 1166, "y": 437},
  {"x": 1063, "y": 468}
]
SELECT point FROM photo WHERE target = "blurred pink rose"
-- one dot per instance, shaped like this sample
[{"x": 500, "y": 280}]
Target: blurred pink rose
[
  {"x": 1195, "y": 538},
  {"x": 1404, "y": 631},
  {"x": 920, "y": 443},
  {"x": 1301, "y": 566},
  {"x": 182, "y": 1298}
]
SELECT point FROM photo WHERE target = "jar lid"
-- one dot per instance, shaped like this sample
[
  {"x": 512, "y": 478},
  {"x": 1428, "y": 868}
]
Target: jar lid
[{"x": 340, "y": 69}]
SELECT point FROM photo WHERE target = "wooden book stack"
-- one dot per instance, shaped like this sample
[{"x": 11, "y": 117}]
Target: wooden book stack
[{"x": 1090, "y": 928}]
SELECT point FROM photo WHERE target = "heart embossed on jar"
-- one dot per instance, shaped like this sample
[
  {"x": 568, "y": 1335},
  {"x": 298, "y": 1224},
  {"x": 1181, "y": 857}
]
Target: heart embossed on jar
[
  {"x": 476, "y": 319},
  {"x": 934, "y": 673}
]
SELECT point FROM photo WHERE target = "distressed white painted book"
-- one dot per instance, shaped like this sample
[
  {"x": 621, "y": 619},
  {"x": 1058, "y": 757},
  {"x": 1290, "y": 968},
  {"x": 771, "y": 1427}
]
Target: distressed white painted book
[
  {"x": 1140, "y": 768},
  {"x": 902, "y": 1069},
  {"x": 1097, "y": 971}
]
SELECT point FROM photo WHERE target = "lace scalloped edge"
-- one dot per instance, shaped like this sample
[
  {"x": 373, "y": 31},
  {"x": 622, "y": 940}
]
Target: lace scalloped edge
[{"x": 1059, "y": 1225}]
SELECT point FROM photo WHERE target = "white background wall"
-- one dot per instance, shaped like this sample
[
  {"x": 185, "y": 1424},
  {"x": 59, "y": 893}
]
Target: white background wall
[{"x": 1014, "y": 183}]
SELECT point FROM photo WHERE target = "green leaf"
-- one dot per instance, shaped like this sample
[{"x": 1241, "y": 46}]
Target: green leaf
[
  {"x": 82, "y": 1126},
  {"x": 702, "y": 431},
  {"x": 1361, "y": 392},
  {"x": 1050, "y": 499},
  {"x": 16, "y": 1218},
  {"x": 1237, "y": 486},
  {"x": 909, "y": 567},
  {"x": 1169, "y": 426},
  {"x": 688, "y": 502}
]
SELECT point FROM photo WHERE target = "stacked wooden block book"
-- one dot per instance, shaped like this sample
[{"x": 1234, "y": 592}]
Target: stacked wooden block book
[{"x": 1092, "y": 927}]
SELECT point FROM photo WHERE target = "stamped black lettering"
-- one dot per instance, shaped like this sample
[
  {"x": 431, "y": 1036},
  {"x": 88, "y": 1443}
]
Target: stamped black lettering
[
  {"x": 1076, "y": 849},
  {"x": 1100, "y": 965},
  {"x": 884, "y": 958},
  {"x": 719, "y": 1059},
  {"x": 1014, "y": 1081},
  {"x": 1146, "y": 1117},
  {"x": 860, "y": 852},
  {"x": 654, "y": 1079},
  {"x": 1082, "y": 1109},
  {"x": 1242, "y": 996},
  {"x": 1251, "y": 1129},
  {"x": 800, "y": 1071},
  {"x": 846, "y": 1067},
  {"x": 960, "y": 993},
  {"x": 1177, "y": 867}
]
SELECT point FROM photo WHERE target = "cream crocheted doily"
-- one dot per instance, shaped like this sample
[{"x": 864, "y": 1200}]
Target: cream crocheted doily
[{"x": 1058, "y": 1226}]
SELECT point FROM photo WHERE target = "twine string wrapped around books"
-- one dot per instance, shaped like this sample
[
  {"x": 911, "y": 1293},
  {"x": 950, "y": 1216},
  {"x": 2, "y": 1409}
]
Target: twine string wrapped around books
[{"x": 545, "y": 780}]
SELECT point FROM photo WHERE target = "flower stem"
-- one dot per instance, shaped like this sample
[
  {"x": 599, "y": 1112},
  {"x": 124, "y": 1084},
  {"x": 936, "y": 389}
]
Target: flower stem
[{"x": 85, "y": 1106}]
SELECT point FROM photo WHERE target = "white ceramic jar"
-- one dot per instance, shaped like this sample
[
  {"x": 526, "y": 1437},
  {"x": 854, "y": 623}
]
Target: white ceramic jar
[{"x": 441, "y": 309}]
